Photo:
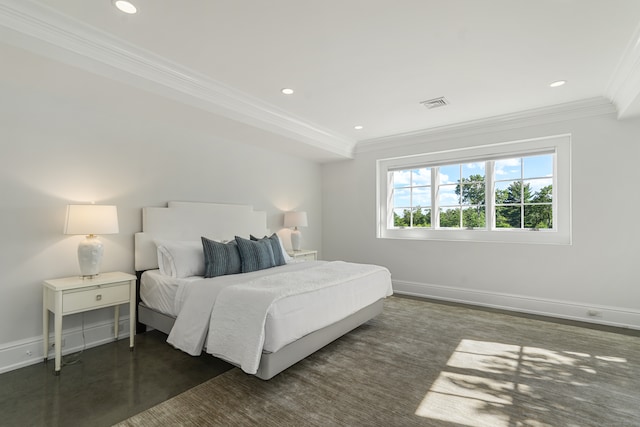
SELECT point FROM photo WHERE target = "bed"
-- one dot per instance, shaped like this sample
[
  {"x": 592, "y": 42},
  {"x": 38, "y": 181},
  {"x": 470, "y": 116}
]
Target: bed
[{"x": 263, "y": 320}]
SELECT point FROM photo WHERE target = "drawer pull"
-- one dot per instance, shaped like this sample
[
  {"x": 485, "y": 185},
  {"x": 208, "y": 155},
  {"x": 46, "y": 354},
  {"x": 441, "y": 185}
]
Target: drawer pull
[{"x": 98, "y": 297}]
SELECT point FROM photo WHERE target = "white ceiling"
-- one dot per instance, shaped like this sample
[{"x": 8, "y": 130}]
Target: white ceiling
[{"x": 354, "y": 62}]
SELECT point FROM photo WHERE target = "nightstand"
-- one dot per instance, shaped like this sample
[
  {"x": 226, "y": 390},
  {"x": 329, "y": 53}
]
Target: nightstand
[
  {"x": 76, "y": 294},
  {"x": 304, "y": 254}
]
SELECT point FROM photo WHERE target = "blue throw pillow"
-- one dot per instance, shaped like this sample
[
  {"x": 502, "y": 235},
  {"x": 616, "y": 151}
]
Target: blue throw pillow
[
  {"x": 220, "y": 258},
  {"x": 278, "y": 257},
  {"x": 255, "y": 255}
]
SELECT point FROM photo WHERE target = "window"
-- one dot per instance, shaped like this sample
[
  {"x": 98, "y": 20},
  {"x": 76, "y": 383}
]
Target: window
[
  {"x": 461, "y": 195},
  {"x": 412, "y": 198},
  {"x": 523, "y": 191},
  {"x": 501, "y": 192}
]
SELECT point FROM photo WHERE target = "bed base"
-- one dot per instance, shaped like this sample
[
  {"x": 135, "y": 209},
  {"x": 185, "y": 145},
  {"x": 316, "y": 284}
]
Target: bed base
[{"x": 272, "y": 364}]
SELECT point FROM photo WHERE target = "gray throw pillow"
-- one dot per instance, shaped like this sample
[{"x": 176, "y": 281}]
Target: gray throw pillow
[
  {"x": 255, "y": 255},
  {"x": 220, "y": 258},
  {"x": 278, "y": 256}
]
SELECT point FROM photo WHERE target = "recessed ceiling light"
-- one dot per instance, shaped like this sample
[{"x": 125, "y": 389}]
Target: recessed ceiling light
[
  {"x": 287, "y": 91},
  {"x": 558, "y": 83},
  {"x": 358, "y": 127},
  {"x": 125, "y": 6}
]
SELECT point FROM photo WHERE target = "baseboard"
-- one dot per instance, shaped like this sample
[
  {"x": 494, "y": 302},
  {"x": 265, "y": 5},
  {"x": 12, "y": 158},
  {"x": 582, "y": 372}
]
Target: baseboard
[
  {"x": 599, "y": 314},
  {"x": 18, "y": 354}
]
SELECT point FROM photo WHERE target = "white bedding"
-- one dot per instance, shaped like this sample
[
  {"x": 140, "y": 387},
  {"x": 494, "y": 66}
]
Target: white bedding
[
  {"x": 285, "y": 320},
  {"x": 164, "y": 293},
  {"x": 158, "y": 291},
  {"x": 239, "y": 339}
]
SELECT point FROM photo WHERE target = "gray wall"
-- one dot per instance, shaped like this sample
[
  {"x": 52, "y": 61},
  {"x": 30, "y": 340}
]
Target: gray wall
[
  {"x": 113, "y": 145},
  {"x": 598, "y": 272}
]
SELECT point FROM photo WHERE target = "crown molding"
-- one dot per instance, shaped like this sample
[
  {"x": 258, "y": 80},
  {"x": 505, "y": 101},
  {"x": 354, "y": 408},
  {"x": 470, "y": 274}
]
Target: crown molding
[
  {"x": 534, "y": 117},
  {"x": 45, "y": 31},
  {"x": 624, "y": 85}
]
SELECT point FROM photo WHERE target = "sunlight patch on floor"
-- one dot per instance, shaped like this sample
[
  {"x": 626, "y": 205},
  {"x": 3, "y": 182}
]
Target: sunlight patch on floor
[
  {"x": 459, "y": 398},
  {"x": 484, "y": 379}
]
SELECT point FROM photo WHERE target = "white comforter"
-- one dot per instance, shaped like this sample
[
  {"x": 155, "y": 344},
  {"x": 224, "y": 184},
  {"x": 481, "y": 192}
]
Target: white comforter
[{"x": 234, "y": 310}]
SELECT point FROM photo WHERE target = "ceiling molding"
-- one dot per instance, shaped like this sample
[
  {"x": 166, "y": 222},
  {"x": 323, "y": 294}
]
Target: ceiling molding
[
  {"x": 624, "y": 86},
  {"x": 65, "y": 39},
  {"x": 539, "y": 116}
]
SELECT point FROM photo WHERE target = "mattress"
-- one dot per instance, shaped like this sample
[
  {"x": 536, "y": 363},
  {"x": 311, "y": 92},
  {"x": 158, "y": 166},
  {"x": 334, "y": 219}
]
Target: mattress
[
  {"x": 293, "y": 317},
  {"x": 290, "y": 318}
]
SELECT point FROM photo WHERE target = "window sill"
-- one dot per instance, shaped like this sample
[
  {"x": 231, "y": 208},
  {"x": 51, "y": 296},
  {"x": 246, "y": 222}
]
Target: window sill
[{"x": 541, "y": 236}]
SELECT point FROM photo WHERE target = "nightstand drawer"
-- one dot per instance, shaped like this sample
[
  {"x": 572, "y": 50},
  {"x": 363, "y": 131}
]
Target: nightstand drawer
[{"x": 95, "y": 297}]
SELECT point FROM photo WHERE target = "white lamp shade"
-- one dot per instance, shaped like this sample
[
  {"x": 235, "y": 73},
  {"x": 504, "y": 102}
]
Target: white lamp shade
[
  {"x": 91, "y": 219},
  {"x": 295, "y": 219}
]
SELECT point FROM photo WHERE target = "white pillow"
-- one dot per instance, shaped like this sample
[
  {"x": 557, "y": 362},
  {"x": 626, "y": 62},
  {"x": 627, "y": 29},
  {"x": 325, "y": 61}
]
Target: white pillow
[{"x": 180, "y": 259}]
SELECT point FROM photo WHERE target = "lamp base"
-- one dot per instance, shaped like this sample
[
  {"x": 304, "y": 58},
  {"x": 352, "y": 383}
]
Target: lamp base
[
  {"x": 296, "y": 239},
  {"x": 90, "y": 252}
]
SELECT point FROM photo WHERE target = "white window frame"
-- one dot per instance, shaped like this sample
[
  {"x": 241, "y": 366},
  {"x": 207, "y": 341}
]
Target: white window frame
[{"x": 560, "y": 234}]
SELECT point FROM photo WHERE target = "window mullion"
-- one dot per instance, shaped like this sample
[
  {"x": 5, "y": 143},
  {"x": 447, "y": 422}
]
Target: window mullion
[
  {"x": 554, "y": 193},
  {"x": 435, "y": 217},
  {"x": 522, "y": 193},
  {"x": 489, "y": 196},
  {"x": 411, "y": 198},
  {"x": 389, "y": 205},
  {"x": 460, "y": 221}
]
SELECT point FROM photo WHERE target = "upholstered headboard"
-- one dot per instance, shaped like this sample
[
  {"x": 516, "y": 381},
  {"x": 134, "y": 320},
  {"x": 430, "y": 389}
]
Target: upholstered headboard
[{"x": 191, "y": 220}]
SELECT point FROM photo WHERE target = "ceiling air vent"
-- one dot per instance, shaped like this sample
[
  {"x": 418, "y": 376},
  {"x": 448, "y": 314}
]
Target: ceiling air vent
[{"x": 435, "y": 103}]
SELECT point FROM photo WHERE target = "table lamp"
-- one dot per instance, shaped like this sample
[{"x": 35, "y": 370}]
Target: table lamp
[
  {"x": 91, "y": 220},
  {"x": 295, "y": 219}
]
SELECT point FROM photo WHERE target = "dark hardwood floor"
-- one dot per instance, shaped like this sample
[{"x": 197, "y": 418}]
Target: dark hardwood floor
[{"x": 102, "y": 385}]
